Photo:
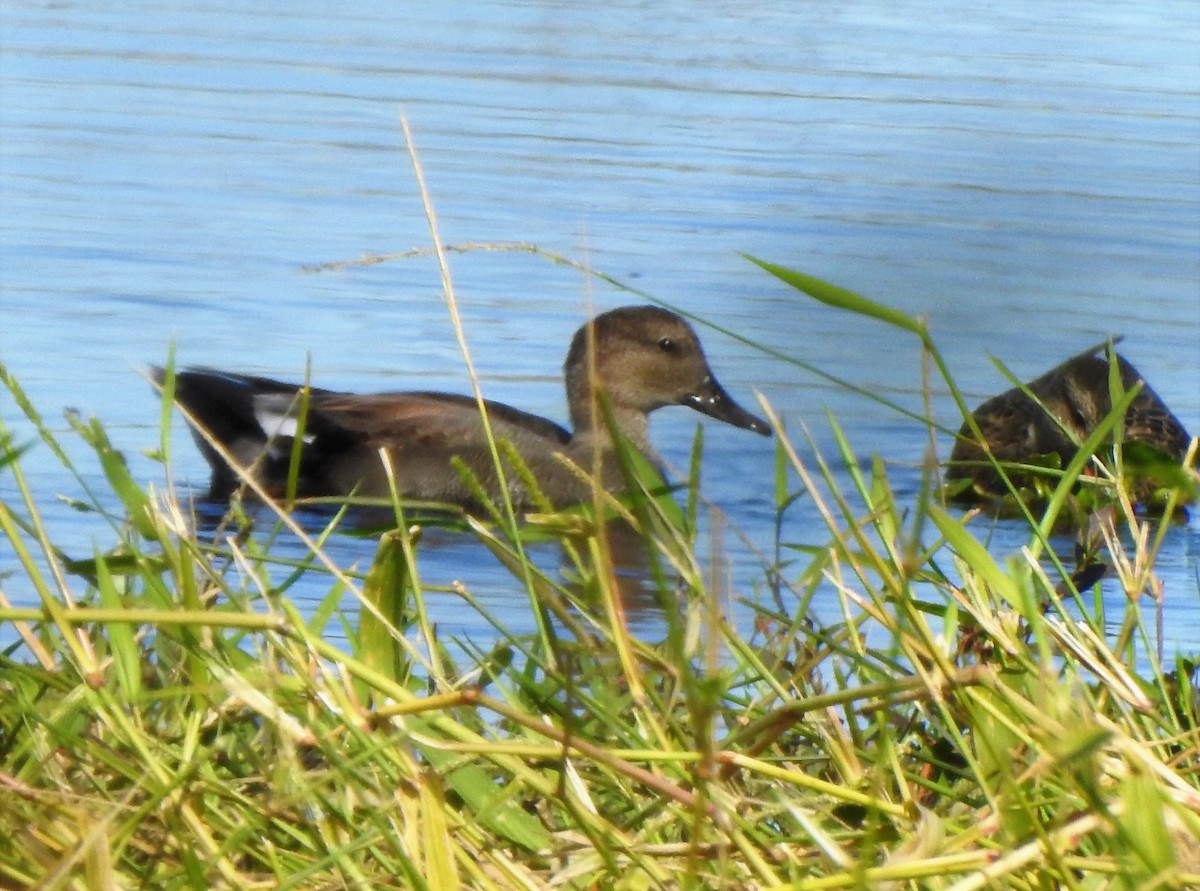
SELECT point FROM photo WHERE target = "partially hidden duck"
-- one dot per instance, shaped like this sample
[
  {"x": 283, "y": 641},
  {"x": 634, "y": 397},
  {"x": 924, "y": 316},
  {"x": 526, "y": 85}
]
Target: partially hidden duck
[
  {"x": 637, "y": 359},
  {"x": 1076, "y": 398}
]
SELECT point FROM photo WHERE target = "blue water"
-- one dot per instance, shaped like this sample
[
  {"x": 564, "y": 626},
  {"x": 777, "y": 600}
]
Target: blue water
[{"x": 1024, "y": 175}]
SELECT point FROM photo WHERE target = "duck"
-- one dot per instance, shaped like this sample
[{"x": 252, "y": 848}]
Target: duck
[
  {"x": 621, "y": 366},
  {"x": 1075, "y": 398}
]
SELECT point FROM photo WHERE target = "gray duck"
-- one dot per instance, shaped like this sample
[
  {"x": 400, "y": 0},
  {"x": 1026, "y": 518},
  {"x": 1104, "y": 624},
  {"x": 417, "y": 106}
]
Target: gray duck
[{"x": 637, "y": 358}]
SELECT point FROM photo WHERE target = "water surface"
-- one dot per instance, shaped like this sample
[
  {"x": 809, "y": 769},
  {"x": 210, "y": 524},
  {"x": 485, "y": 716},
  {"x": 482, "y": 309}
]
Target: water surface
[{"x": 1026, "y": 176}]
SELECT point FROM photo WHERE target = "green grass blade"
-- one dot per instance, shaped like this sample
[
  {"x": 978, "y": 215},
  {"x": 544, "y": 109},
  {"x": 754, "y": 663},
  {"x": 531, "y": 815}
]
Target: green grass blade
[{"x": 841, "y": 298}]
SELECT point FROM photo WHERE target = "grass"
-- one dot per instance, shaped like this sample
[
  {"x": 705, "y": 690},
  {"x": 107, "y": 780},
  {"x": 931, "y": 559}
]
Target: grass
[{"x": 967, "y": 724}]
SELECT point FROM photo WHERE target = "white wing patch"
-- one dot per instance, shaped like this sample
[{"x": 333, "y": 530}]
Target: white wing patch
[{"x": 274, "y": 414}]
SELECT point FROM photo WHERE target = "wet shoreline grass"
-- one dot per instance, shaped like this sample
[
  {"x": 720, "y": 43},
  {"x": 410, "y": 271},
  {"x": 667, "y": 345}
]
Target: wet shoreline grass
[{"x": 172, "y": 720}]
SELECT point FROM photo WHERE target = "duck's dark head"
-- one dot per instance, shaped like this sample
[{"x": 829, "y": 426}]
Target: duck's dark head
[{"x": 642, "y": 358}]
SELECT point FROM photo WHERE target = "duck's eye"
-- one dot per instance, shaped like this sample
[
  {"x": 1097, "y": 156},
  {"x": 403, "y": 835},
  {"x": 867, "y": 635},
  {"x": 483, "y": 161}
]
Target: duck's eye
[{"x": 668, "y": 345}]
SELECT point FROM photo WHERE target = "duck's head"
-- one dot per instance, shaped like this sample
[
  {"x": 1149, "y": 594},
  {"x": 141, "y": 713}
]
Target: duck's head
[{"x": 641, "y": 358}]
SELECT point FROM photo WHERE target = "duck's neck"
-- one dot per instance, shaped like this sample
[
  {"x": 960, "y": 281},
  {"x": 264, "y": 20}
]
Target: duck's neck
[
  {"x": 591, "y": 446},
  {"x": 592, "y": 425}
]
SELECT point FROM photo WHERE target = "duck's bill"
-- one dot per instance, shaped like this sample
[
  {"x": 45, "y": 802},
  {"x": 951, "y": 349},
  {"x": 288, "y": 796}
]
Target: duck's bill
[{"x": 712, "y": 400}]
